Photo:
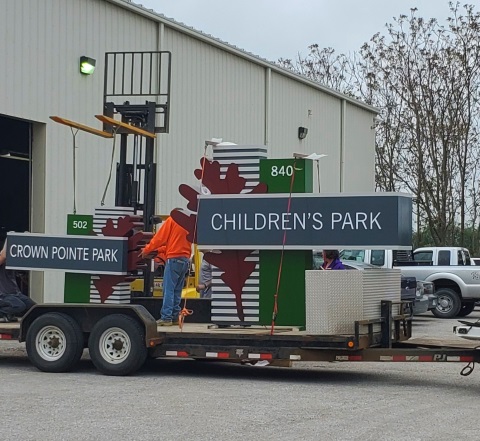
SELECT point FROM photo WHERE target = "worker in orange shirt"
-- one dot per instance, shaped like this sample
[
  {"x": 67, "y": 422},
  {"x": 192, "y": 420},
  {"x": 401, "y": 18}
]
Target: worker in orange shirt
[
  {"x": 159, "y": 262},
  {"x": 177, "y": 253}
]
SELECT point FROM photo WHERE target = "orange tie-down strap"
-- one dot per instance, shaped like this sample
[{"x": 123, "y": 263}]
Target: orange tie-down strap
[{"x": 183, "y": 313}]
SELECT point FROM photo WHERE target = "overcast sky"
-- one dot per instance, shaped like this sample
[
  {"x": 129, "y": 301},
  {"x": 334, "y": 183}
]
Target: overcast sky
[{"x": 276, "y": 29}]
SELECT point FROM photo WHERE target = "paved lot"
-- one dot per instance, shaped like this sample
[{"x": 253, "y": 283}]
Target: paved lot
[{"x": 191, "y": 400}]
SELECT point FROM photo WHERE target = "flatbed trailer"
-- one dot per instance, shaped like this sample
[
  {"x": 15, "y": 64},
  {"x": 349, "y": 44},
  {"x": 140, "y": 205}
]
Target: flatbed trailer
[{"x": 121, "y": 337}]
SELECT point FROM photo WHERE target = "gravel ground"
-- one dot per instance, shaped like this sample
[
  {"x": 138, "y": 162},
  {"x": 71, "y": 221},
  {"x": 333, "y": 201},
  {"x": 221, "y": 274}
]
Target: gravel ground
[{"x": 170, "y": 399}]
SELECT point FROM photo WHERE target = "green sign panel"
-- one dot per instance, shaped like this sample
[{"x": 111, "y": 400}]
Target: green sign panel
[
  {"x": 77, "y": 286},
  {"x": 79, "y": 224},
  {"x": 278, "y": 174}
]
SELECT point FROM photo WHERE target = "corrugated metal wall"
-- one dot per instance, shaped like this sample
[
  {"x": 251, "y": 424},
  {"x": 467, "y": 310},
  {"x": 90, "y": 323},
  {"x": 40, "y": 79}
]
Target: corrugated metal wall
[
  {"x": 215, "y": 93},
  {"x": 298, "y": 105},
  {"x": 49, "y": 37},
  {"x": 358, "y": 172},
  {"x": 44, "y": 39}
]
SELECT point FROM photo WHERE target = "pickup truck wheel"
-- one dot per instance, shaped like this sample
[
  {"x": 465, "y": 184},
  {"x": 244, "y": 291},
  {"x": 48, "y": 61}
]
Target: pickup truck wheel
[
  {"x": 117, "y": 345},
  {"x": 448, "y": 303},
  {"x": 54, "y": 342},
  {"x": 466, "y": 309}
]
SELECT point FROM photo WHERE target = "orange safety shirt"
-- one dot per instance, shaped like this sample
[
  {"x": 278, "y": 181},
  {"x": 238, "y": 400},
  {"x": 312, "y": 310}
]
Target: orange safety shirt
[{"x": 173, "y": 237}]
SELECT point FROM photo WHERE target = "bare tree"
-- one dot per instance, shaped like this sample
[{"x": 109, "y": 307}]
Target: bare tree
[
  {"x": 424, "y": 78},
  {"x": 324, "y": 66}
]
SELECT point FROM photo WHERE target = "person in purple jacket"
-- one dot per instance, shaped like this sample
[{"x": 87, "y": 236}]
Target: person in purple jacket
[{"x": 331, "y": 260}]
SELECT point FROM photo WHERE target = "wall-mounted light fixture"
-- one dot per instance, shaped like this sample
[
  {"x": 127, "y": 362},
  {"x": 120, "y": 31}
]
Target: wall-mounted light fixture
[
  {"x": 87, "y": 65},
  {"x": 302, "y": 132}
]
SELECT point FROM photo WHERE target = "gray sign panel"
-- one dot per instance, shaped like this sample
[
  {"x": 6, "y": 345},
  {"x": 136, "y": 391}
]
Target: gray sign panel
[
  {"x": 378, "y": 221},
  {"x": 75, "y": 254}
]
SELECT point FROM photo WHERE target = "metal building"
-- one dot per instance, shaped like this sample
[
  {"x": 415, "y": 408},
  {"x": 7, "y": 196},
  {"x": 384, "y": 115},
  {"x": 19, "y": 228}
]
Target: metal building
[{"x": 217, "y": 90}]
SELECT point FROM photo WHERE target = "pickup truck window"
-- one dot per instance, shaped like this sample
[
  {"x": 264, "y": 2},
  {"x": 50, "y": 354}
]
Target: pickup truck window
[
  {"x": 460, "y": 258},
  {"x": 378, "y": 257},
  {"x": 444, "y": 257},
  {"x": 423, "y": 256},
  {"x": 356, "y": 255},
  {"x": 467, "y": 258}
]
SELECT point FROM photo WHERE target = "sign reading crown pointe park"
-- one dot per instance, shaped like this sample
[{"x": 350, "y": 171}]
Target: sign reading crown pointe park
[
  {"x": 79, "y": 254},
  {"x": 305, "y": 221}
]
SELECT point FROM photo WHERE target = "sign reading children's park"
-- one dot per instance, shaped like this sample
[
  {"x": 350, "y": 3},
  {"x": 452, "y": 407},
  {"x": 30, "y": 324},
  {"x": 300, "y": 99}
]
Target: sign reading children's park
[
  {"x": 305, "y": 221},
  {"x": 77, "y": 254}
]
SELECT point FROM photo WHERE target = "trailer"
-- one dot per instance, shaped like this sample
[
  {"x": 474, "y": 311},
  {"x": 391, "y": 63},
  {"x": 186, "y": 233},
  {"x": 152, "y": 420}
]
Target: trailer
[{"x": 121, "y": 337}]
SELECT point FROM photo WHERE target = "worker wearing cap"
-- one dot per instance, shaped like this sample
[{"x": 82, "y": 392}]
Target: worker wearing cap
[
  {"x": 13, "y": 302},
  {"x": 177, "y": 254}
]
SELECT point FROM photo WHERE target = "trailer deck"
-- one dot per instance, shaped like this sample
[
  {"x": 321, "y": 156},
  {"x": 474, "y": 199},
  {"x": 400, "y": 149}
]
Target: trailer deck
[
  {"x": 121, "y": 337},
  {"x": 254, "y": 343}
]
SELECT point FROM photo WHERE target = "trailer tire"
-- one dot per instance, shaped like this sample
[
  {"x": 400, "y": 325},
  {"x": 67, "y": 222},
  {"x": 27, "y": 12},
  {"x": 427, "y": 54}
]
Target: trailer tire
[
  {"x": 466, "y": 309},
  {"x": 117, "y": 345},
  {"x": 448, "y": 303},
  {"x": 54, "y": 342}
]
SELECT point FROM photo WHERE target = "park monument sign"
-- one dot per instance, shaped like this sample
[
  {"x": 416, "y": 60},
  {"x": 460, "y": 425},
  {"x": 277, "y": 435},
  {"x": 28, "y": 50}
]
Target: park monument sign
[
  {"x": 305, "y": 221},
  {"x": 80, "y": 254}
]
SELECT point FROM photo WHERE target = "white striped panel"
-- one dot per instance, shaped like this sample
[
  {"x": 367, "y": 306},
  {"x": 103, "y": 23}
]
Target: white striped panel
[
  {"x": 247, "y": 158},
  {"x": 238, "y": 148},
  {"x": 229, "y": 310},
  {"x": 233, "y": 319},
  {"x": 224, "y": 290},
  {"x": 232, "y": 308},
  {"x": 245, "y": 168},
  {"x": 102, "y": 214},
  {"x": 217, "y": 274},
  {"x": 230, "y": 296},
  {"x": 120, "y": 288},
  {"x": 238, "y": 154},
  {"x": 227, "y": 303},
  {"x": 241, "y": 162},
  {"x": 121, "y": 292},
  {"x": 112, "y": 299}
]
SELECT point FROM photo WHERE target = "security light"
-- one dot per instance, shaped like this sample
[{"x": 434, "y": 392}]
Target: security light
[
  {"x": 87, "y": 65},
  {"x": 302, "y": 132}
]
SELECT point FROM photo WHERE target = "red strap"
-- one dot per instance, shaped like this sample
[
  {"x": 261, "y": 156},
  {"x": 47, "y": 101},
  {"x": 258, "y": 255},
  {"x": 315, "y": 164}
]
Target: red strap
[
  {"x": 185, "y": 312},
  {"x": 275, "y": 297}
]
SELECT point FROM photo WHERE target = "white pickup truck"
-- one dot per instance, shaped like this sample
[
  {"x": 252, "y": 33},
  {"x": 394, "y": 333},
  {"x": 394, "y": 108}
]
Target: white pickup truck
[{"x": 456, "y": 279}]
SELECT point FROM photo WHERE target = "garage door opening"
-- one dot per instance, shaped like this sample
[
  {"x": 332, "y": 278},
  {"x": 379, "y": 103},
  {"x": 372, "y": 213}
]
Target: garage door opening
[{"x": 15, "y": 181}]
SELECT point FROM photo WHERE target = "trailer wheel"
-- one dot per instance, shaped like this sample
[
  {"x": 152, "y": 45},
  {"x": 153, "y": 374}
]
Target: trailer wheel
[
  {"x": 466, "y": 309},
  {"x": 448, "y": 303},
  {"x": 54, "y": 342},
  {"x": 117, "y": 345}
]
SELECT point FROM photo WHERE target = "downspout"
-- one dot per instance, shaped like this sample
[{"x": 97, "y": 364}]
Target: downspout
[
  {"x": 156, "y": 155},
  {"x": 268, "y": 93},
  {"x": 343, "y": 117}
]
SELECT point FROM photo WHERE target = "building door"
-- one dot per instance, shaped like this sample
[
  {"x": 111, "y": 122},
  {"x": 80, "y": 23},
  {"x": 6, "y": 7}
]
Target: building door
[{"x": 15, "y": 181}]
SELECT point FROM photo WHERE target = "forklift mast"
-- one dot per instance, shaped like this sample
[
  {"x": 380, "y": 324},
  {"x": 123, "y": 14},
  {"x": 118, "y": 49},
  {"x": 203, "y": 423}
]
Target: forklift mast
[{"x": 137, "y": 87}]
